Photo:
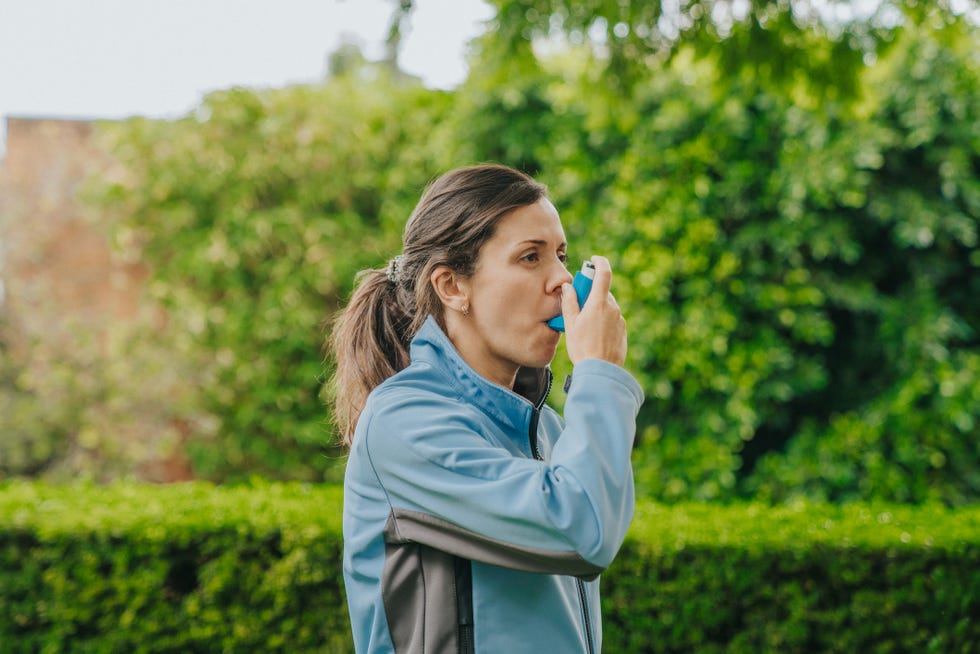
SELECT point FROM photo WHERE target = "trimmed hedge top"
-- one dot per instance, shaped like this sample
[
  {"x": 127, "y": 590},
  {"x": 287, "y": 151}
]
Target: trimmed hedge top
[
  {"x": 802, "y": 525},
  {"x": 157, "y": 511}
]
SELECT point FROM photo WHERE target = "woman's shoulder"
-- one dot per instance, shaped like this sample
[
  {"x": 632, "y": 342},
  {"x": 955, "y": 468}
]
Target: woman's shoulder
[
  {"x": 402, "y": 416},
  {"x": 412, "y": 393}
]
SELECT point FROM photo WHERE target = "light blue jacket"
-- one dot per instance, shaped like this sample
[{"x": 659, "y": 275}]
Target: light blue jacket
[{"x": 475, "y": 518}]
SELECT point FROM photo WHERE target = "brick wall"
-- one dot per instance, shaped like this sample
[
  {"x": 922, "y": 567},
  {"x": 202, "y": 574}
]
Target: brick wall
[
  {"x": 65, "y": 292},
  {"x": 57, "y": 265}
]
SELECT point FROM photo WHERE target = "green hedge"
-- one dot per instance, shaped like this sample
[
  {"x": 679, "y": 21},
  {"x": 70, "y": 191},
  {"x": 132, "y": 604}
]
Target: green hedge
[
  {"x": 798, "y": 578},
  {"x": 200, "y": 568},
  {"x": 182, "y": 568}
]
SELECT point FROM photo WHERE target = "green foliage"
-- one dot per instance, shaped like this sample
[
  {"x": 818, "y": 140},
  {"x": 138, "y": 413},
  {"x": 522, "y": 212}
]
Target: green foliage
[
  {"x": 900, "y": 422},
  {"x": 791, "y": 207},
  {"x": 786, "y": 253},
  {"x": 254, "y": 214},
  {"x": 194, "y": 567},
  {"x": 788, "y": 42},
  {"x": 67, "y": 413},
  {"x": 35, "y": 426}
]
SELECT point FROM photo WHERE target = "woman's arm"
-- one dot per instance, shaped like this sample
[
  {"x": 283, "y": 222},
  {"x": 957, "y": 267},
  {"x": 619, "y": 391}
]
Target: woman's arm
[{"x": 449, "y": 487}]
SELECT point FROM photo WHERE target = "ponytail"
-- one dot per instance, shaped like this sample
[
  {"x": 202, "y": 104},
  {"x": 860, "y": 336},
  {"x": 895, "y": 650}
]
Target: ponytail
[{"x": 369, "y": 343}]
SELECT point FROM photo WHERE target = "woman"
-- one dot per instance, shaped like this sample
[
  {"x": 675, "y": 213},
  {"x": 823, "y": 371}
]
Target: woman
[{"x": 475, "y": 518}]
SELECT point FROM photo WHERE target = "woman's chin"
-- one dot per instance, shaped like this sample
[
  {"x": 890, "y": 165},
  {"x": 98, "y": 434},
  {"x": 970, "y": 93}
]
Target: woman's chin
[{"x": 543, "y": 355}]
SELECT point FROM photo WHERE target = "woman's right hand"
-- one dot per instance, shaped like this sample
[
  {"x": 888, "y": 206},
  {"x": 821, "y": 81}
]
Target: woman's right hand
[{"x": 598, "y": 329}]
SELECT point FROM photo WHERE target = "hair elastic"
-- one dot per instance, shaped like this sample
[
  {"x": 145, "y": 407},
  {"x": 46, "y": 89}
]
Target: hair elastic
[{"x": 392, "y": 272}]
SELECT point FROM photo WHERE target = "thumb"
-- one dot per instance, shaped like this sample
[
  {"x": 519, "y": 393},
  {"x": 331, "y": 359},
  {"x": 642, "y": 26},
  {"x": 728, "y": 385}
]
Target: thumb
[{"x": 569, "y": 303}]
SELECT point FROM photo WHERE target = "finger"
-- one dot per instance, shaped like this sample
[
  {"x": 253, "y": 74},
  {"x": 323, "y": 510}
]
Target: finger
[
  {"x": 569, "y": 303},
  {"x": 603, "y": 278}
]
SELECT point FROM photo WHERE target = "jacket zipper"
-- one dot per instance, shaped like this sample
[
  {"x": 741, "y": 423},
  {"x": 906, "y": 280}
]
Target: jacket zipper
[
  {"x": 585, "y": 615},
  {"x": 532, "y": 431},
  {"x": 463, "y": 585},
  {"x": 532, "y": 437}
]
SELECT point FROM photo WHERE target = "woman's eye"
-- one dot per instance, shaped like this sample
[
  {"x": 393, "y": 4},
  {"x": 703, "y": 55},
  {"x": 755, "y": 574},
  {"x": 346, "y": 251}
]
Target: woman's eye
[
  {"x": 563, "y": 257},
  {"x": 531, "y": 257}
]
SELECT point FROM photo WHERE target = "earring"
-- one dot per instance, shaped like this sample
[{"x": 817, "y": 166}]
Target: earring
[{"x": 465, "y": 309}]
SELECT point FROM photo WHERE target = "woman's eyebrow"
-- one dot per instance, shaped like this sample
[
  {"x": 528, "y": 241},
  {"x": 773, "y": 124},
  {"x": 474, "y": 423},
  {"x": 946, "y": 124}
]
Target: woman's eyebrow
[{"x": 540, "y": 242}]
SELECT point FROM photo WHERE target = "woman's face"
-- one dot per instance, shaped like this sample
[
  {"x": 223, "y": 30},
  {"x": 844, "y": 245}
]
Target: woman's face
[{"x": 513, "y": 292}]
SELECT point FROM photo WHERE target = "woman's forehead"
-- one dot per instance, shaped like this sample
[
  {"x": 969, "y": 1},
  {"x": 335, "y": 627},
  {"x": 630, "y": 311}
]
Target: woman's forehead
[{"x": 534, "y": 222}]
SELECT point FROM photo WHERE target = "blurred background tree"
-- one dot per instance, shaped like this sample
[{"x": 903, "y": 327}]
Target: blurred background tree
[
  {"x": 790, "y": 200},
  {"x": 788, "y": 192},
  {"x": 254, "y": 214}
]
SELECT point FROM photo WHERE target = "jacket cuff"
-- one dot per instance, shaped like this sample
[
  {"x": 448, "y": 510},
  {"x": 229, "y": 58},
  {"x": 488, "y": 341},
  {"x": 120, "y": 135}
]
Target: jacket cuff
[{"x": 598, "y": 371}]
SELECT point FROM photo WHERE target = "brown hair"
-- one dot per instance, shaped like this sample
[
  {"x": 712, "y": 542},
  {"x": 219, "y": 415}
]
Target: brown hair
[{"x": 457, "y": 214}]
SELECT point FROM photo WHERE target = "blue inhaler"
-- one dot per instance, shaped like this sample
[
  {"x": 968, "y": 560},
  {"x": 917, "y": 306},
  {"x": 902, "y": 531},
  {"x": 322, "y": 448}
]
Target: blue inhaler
[{"x": 582, "y": 285}]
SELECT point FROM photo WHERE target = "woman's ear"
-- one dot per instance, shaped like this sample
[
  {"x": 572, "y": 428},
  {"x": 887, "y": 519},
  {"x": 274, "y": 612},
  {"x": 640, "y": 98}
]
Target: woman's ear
[{"x": 450, "y": 288}]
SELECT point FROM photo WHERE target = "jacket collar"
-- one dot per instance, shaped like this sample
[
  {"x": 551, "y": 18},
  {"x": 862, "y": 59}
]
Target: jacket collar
[{"x": 432, "y": 346}]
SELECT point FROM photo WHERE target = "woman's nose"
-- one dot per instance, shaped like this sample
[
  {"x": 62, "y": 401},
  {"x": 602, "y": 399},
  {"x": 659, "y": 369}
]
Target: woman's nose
[{"x": 560, "y": 276}]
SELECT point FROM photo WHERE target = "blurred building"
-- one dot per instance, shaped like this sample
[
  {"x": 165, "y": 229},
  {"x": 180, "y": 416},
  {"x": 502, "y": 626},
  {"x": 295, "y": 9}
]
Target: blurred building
[
  {"x": 56, "y": 262},
  {"x": 63, "y": 290}
]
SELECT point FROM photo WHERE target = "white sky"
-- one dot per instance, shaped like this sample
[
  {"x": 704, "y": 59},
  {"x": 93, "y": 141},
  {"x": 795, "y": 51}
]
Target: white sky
[
  {"x": 158, "y": 58},
  {"x": 118, "y": 58}
]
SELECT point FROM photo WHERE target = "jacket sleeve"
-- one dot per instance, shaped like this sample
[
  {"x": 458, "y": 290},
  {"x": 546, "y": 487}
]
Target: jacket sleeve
[{"x": 450, "y": 489}]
